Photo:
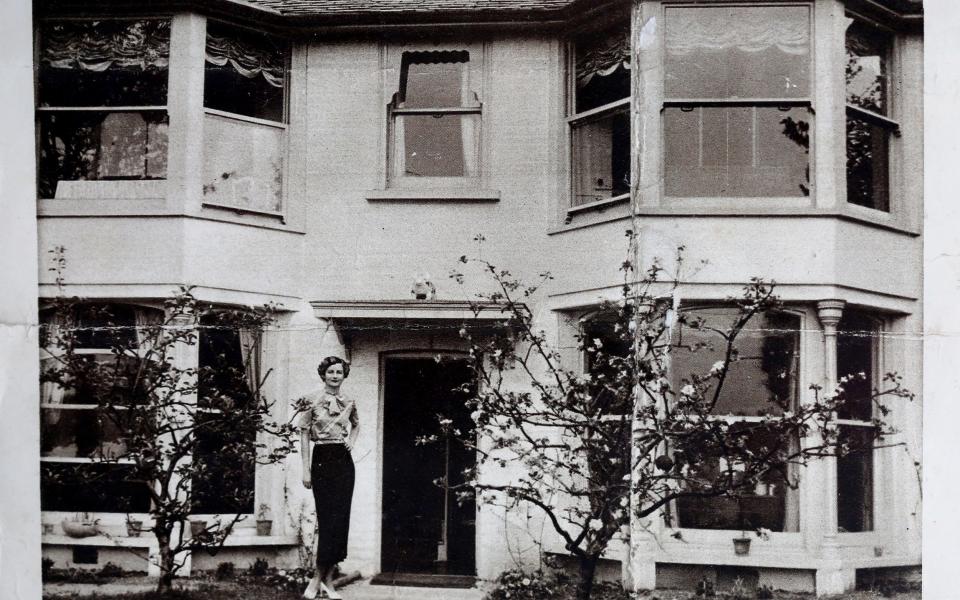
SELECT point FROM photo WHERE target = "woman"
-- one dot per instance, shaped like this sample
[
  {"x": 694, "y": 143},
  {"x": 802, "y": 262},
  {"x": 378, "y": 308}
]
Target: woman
[{"x": 329, "y": 428}]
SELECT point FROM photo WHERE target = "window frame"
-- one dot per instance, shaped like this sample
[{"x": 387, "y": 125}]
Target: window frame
[
  {"x": 433, "y": 187},
  {"x": 573, "y": 119},
  {"x": 52, "y": 354},
  {"x": 808, "y": 102},
  {"x": 282, "y": 125},
  {"x": 889, "y": 123},
  {"x": 125, "y": 186},
  {"x": 791, "y": 496}
]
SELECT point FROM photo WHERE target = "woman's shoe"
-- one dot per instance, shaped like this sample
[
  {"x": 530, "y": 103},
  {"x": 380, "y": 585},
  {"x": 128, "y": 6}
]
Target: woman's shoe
[
  {"x": 330, "y": 592},
  {"x": 311, "y": 592}
]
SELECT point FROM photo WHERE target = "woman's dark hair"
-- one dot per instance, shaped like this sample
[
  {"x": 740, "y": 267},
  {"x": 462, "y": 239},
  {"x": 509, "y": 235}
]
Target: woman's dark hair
[{"x": 328, "y": 362}]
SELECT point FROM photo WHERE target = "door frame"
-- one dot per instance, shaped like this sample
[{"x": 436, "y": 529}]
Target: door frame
[{"x": 382, "y": 359}]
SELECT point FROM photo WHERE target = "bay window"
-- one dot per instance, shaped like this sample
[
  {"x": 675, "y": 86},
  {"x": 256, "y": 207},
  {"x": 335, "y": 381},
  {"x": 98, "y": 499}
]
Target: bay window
[
  {"x": 599, "y": 115},
  {"x": 736, "y": 117},
  {"x": 762, "y": 380},
  {"x": 102, "y": 114},
  {"x": 435, "y": 118},
  {"x": 869, "y": 122},
  {"x": 244, "y": 97}
]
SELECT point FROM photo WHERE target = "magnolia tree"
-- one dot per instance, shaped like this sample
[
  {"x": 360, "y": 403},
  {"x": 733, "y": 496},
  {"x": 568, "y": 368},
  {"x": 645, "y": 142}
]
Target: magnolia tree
[
  {"x": 187, "y": 435},
  {"x": 631, "y": 435}
]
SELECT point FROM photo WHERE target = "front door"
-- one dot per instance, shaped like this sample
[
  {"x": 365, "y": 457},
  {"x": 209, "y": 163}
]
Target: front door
[{"x": 425, "y": 529}]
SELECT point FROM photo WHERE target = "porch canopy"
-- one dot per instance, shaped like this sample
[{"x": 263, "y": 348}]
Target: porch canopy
[{"x": 354, "y": 316}]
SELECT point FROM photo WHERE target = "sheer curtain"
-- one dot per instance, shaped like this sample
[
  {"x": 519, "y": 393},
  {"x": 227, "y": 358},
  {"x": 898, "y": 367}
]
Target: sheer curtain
[
  {"x": 246, "y": 58},
  {"x": 749, "y": 29},
  {"x": 100, "y": 45},
  {"x": 251, "y": 345}
]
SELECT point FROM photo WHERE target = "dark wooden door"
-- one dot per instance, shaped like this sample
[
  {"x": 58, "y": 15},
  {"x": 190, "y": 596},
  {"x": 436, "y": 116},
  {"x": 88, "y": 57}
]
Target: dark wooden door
[{"x": 425, "y": 529}]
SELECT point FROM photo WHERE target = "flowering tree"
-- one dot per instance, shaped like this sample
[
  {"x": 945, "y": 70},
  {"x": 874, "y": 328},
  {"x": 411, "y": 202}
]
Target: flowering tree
[
  {"x": 186, "y": 435},
  {"x": 631, "y": 435}
]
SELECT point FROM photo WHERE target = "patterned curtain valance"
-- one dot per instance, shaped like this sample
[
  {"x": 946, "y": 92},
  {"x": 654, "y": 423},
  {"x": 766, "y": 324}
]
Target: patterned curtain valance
[
  {"x": 100, "y": 45},
  {"x": 246, "y": 56},
  {"x": 692, "y": 34},
  {"x": 603, "y": 55}
]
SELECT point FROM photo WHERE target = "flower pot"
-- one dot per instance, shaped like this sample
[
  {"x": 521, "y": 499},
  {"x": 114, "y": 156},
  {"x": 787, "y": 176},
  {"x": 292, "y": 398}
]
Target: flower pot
[
  {"x": 264, "y": 527},
  {"x": 197, "y": 527},
  {"x": 741, "y": 546},
  {"x": 78, "y": 529},
  {"x": 134, "y": 528}
]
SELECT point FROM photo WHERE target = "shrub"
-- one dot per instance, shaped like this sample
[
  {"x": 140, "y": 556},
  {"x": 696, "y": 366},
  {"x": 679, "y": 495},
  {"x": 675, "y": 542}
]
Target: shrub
[
  {"x": 259, "y": 568},
  {"x": 46, "y": 565},
  {"x": 517, "y": 584},
  {"x": 225, "y": 570},
  {"x": 110, "y": 570}
]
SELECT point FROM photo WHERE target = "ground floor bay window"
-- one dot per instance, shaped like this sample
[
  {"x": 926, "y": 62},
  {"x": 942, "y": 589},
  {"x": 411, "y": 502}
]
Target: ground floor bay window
[{"x": 89, "y": 415}]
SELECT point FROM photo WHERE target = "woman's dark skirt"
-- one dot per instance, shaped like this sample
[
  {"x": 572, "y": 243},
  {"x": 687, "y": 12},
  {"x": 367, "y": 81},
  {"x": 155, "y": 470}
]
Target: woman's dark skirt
[{"x": 332, "y": 475}]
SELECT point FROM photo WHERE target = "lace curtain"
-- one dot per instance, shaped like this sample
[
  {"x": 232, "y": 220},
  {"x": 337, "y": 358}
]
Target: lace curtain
[
  {"x": 100, "y": 45},
  {"x": 246, "y": 57},
  {"x": 745, "y": 29},
  {"x": 605, "y": 53}
]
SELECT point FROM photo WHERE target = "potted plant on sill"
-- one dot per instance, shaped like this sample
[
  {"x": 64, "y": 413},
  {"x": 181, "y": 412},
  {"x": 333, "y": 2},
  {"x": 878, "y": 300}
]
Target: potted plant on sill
[
  {"x": 197, "y": 527},
  {"x": 81, "y": 526},
  {"x": 264, "y": 520},
  {"x": 134, "y": 527}
]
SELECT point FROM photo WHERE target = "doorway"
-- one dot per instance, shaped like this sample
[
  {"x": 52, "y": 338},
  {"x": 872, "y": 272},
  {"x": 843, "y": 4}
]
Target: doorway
[{"x": 425, "y": 530}]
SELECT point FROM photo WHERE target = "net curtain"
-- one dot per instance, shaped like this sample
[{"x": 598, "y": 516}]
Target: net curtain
[
  {"x": 245, "y": 57},
  {"x": 748, "y": 30},
  {"x": 100, "y": 45}
]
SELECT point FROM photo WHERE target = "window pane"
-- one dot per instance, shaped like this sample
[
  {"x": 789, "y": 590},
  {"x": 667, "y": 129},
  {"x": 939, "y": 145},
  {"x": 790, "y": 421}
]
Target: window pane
[
  {"x": 763, "y": 379},
  {"x": 245, "y": 73},
  {"x": 79, "y": 433},
  {"x": 438, "y": 145},
  {"x": 736, "y": 152},
  {"x": 868, "y": 160},
  {"x": 602, "y": 66},
  {"x": 857, "y": 338},
  {"x": 224, "y": 453},
  {"x": 249, "y": 179},
  {"x": 434, "y": 79},
  {"x": 104, "y": 63},
  {"x": 767, "y": 505},
  {"x": 601, "y": 158},
  {"x": 77, "y": 146},
  {"x": 603, "y": 345},
  {"x": 868, "y": 50},
  {"x": 738, "y": 52},
  {"x": 92, "y": 488},
  {"x": 855, "y": 479}
]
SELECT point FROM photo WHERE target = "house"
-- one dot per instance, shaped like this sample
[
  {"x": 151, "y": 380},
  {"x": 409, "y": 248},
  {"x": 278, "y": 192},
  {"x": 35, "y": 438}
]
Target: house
[{"x": 329, "y": 156}]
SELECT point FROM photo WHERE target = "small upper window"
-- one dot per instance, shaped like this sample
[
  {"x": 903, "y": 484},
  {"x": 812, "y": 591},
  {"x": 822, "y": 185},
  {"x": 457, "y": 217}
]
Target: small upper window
[
  {"x": 869, "y": 125},
  {"x": 435, "y": 117},
  {"x": 736, "y": 118},
  {"x": 102, "y": 92},
  {"x": 600, "y": 115},
  {"x": 245, "y": 73},
  {"x": 244, "y": 90}
]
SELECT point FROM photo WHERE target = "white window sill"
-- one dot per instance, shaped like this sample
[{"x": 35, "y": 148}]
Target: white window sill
[{"x": 433, "y": 195}]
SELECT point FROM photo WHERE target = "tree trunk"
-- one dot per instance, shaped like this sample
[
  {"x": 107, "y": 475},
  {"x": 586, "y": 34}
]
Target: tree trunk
[
  {"x": 165, "y": 583},
  {"x": 588, "y": 567}
]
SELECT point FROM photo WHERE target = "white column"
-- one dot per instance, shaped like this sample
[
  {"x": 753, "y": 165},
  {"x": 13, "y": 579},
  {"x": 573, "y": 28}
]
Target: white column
[
  {"x": 831, "y": 578},
  {"x": 828, "y": 90},
  {"x": 188, "y": 38},
  {"x": 19, "y": 351}
]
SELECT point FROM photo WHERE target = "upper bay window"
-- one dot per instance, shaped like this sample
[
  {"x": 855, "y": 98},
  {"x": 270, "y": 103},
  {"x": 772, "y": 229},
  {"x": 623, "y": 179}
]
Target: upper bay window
[
  {"x": 869, "y": 123},
  {"x": 102, "y": 115},
  {"x": 244, "y": 96},
  {"x": 736, "y": 119},
  {"x": 435, "y": 118},
  {"x": 762, "y": 379},
  {"x": 600, "y": 115}
]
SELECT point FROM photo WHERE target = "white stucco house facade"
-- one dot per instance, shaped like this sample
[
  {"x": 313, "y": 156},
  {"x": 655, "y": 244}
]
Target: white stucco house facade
[{"x": 325, "y": 156}]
